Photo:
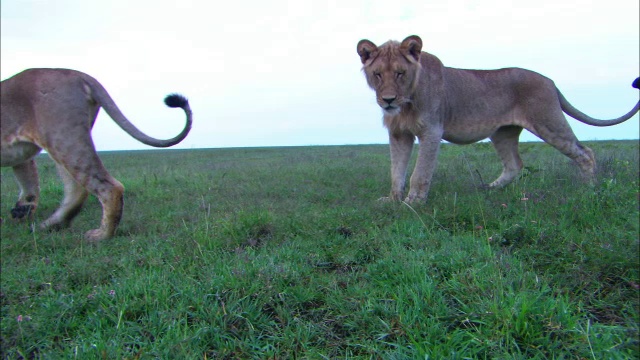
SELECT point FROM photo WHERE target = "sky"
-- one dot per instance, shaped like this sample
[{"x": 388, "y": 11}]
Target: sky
[{"x": 286, "y": 73}]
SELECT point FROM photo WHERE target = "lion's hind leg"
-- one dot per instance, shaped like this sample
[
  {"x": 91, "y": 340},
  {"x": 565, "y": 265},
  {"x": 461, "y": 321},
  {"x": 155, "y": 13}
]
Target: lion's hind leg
[
  {"x": 110, "y": 192},
  {"x": 582, "y": 155},
  {"x": 74, "y": 197},
  {"x": 558, "y": 134},
  {"x": 84, "y": 173},
  {"x": 27, "y": 176},
  {"x": 505, "y": 141}
]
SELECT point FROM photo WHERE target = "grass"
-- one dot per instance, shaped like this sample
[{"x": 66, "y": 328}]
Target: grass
[{"x": 281, "y": 253}]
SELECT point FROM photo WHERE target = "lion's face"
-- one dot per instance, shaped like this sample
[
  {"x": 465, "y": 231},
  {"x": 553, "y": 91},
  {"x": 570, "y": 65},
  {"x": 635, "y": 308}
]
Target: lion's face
[{"x": 392, "y": 70}]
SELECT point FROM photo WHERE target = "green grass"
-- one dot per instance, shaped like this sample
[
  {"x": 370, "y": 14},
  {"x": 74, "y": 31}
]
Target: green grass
[{"x": 285, "y": 253}]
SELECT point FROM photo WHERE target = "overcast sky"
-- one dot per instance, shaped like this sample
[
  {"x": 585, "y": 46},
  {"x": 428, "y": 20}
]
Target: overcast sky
[{"x": 279, "y": 73}]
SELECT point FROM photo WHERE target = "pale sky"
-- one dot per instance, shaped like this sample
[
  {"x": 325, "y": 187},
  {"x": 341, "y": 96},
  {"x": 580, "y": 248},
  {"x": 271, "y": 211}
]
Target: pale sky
[{"x": 280, "y": 73}]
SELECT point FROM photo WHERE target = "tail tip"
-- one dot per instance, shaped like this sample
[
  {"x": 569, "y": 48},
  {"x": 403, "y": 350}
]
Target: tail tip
[
  {"x": 636, "y": 83},
  {"x": 176, "y": 101}
]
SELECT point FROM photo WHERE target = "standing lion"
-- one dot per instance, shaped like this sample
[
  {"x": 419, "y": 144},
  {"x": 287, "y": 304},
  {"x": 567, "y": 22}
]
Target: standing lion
[{"x": 421, "y": 98}]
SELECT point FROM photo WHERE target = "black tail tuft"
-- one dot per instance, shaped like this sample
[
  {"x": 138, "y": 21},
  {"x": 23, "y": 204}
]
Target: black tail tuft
[
  {"x": 176, "y": 101},
  {"x": 636, "y": 83}
]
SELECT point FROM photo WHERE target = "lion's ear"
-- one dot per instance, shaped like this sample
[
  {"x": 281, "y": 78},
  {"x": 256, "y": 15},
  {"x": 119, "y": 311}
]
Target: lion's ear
[
  {"x": 365, "y": 48},
  {"x": 413, "y": 45}
]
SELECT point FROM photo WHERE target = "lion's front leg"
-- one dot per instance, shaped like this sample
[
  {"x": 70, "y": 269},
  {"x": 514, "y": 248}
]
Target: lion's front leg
[
  {"x": 425, "y": 166},
  {"x": 401, "y": 146}
]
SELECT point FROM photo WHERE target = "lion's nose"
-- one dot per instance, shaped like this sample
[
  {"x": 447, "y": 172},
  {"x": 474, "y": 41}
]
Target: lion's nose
[{"x": 389, "y": 99}]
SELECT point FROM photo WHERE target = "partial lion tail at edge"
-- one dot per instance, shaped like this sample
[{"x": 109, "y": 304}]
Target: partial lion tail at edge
[{"x": 584, "y": 118}]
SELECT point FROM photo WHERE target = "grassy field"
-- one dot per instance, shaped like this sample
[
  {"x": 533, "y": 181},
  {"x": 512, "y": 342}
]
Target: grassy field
[{"x": 284, "y": 253}]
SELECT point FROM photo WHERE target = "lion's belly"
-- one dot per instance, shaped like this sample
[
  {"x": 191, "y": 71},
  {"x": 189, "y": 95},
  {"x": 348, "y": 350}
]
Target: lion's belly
[
  {"x": 14, "y": 152},
  {"x": 466, "y": 136}
]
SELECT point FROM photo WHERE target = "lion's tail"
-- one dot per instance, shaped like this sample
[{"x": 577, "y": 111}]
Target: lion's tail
[
  {"x": 102, "y": 97},
  {"x": 582, "y": 117}
]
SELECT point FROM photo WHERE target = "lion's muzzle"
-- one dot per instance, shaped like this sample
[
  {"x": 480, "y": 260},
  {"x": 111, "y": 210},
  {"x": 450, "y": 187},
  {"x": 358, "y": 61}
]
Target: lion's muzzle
[{"x": 389, "y": 104}]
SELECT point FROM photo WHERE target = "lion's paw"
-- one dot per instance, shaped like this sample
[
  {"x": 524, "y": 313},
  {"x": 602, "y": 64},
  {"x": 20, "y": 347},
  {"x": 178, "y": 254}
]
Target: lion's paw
[
  {"x": 54, "y": 223},
  {"x": 411, "y": 199},
  {"x": 96, "y": 235},
  {"x": 22, "y": 211},
  {"x": 415, "y": 200}
]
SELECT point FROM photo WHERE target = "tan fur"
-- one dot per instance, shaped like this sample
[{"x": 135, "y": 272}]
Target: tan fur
[
  {"x": 55, "y": 109},
  {"x": 423, "y": 99}
]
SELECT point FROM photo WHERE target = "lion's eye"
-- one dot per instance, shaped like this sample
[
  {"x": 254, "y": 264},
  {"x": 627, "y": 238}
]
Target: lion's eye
[
  {"x": 377, "y": 75},
  {"x": 399, "y": 74}
]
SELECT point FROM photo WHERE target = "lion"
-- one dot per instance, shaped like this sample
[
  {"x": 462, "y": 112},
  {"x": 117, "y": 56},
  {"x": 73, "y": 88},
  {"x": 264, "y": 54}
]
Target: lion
[
  {"x": 54, "y": 110},
  {"x": 420, "y": 98}
]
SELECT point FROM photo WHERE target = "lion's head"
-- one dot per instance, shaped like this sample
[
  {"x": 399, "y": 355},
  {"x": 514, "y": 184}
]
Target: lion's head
[{"x": 392, "y": 70}]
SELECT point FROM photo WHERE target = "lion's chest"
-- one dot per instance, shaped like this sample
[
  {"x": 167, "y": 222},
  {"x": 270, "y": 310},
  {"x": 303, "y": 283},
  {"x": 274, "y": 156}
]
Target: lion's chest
[{"x": 405, "y": 122}]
